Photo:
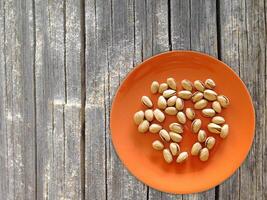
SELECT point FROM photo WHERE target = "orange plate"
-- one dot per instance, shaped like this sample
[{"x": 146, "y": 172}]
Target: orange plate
[{"x": 147, "y": 164}]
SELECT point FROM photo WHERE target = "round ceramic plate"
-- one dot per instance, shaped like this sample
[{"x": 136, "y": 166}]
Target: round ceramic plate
[{"x": 147, "y": 164}]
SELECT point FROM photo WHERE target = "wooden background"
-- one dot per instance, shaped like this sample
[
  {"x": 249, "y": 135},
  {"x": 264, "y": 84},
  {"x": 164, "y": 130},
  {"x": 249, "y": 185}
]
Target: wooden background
[{"x": 60, "y": 65}]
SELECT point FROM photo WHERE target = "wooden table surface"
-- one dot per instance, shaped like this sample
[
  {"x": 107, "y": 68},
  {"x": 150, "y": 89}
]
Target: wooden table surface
[{"x": 60, "y": 65}]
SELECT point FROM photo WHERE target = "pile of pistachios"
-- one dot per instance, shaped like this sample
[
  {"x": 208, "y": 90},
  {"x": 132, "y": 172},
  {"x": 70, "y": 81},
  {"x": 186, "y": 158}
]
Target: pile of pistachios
[{"x": 171, "y": 102}]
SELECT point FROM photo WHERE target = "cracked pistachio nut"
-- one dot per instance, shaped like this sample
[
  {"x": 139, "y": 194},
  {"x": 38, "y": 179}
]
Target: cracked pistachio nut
[
  {"x": 214, "y": 128},
  {"x": 204, "y": 154},
  {"x": 210, "y": 142},
  {"x": 139, "y": 117},
  {"x": 196, "y": 125},
  {"x": 167, "y": 156},
  {"x": 163, "y": 87},
  {"x": 159, "y": 115},
  {"x": 201, "y": 104},
  {"x": 175, "y": 127},
  {"x": 170, "y": 111},
  {"x": 162, "y": 103},
  {"x": 164, "y": 135},
  {"x": 209, "y": 83},
  {"x": 197, "y": 96},
  {"x": 175, "y": 148},
  {"x": 201, "y": 136},
  {"x": 181, "y": 117},
  {"x": 218, "y": 120},
  {"x": 210, "y": 95},
  {"x": 179, "y": 104},
  {"x": 182, "y": 157},
  {"x": 185, "y": 94},
  {"x": 208, "y": 112},
  {"x": 187, "y": 85},
  {"x": 190, "y": 113},
  {"x": 169, "y": 93},
  {"x": 199, "y": 85},
  {"x": 176, "y": 137},
  {"x": 216, "y": 106},
  {"x": 155, "y": 128},
  {"x": 223, "y": 100},
  {"x": 146, "y": 101},
  {"x": 157, "y": 145},
  {"x": 154, "y": 87},
  {"x": 171, "y": 83},
  {"x": 224, "y": 131},
  {"x": 149, "y": 115},
  {"x": 171, "y": 101},
  {"x": 196, "y": 149},
  {"x": 143, "y": 127}
]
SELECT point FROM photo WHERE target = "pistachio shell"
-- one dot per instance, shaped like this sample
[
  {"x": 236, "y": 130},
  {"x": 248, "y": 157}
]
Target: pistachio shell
[
  {"x": 210, "y": 142},
  {"x": 164, "y": 135},
  {"x": 170, "y": 111},
  {"x": 143, "y": 127},
  {"x": 199, "y": 85},
  {"x": 154, "y": 87},
  {"x": 155, "y": 128},
  {"x": 204, "y": 154},
  {"x": 201, "y": 104},
  {"x": 181, "y": 117},
  {"x": 209, "y": 83},
  {"x": 187, "y": 85},
  {"x": 179, "y": 104},
  {"x": 157, "y": 145},
  {"x": 175, "y": 148},
  {"x": 159, "y": 115},
  {"x": 223, "y": 100},
  {"x": 214, "y": 128},
  {"x": 163, "y": 87},
  {"x": 201, "y": 136},
  {"x": 190, "y": 113},
  {"x": 196, "y": 149},
  {"x": 171, "y": 101},
  {"x": 218, "y": 120},
  {"x": 176, "y": 137},
  {"x": 196, "y": 125},
  {"x": 146, "y": 101},
  {"x": 197, "y": 96},
  {"x": 208, "y": 112},
  {"x": 149, "y": 115},
  {"x": 175, "y": 127},
  {"x": 167, "y": 156},
  {"x": 224, "y": 131},
  {"x": 216, "y": 106},
  {"x": 171, "y": 83},
  {"x": 182, "y": 157},
  {"x": 162, "y": 103},
  {"x": 185, "y": 94},
  {"x": 210, "y": 95},
  {"x": 169, "y": 93},
  {"x": 139, "y": 117}
]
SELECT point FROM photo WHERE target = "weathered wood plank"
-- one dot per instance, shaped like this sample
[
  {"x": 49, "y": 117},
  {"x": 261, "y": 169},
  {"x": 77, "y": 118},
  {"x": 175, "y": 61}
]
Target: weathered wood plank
[{"x": 243, "y": 47}]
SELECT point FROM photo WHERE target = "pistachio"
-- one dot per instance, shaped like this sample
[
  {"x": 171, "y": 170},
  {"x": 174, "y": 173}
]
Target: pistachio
[
  {"x": 149, "y": 115},
  {"x": 204, "y": 154},
  {"x": 167, "y": 155},
  {"x": 197, "y": 96},
  {"x": 171, "y": 83},
  {"x": 182, "y": 157},
  {"x": 146, "y": 101},
  {"x": 175, "y": 127},
  {"x": 162, "y": 103},
  {"x": 181, "y": 117},
  {"x": 164, "y": 135},
  {"x": 210, "y": 95},
  {"x": 169, "y": 93},
  {"x": 201, "y": 104},
  {"x": 154, "y": 87},
  {"x": 139, "y": 117},
  {"x": 170, "y": 111},
  {"x": 157, "y": 145},
  {"x": 190, "y": 113},
  {"x": 223, "y": 100},
  {"x": 210, "y": 142},
  {"x": 214, "y": 128},
  {"x": 179, "y": 104},
  {"x": 199, "y": 85},
  {"x": 209, "y": 83},
  {"x": 163, "y": 87},
  {"x": 187, "y": 85},
  {"x": 196, "y": 125},
  {"x": 176, "y": 137},
  {"x": 175, "y": 148},
  {"x": 216, "y": 106},
  {"x": 171, "y": 101},
  {"x": 208, "y": 112},
  {"x": 185, "y": 94},
  {"x": 143, "y": 127},
  {"x": 155, "y": 128},
  {"x": 218, "y": 120},
  {"x": 196, "y": 149},
  {"x": 201, "y": 136},
  {"x": 159, "y": 115},
  {"x": 224, "y": 131}
]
